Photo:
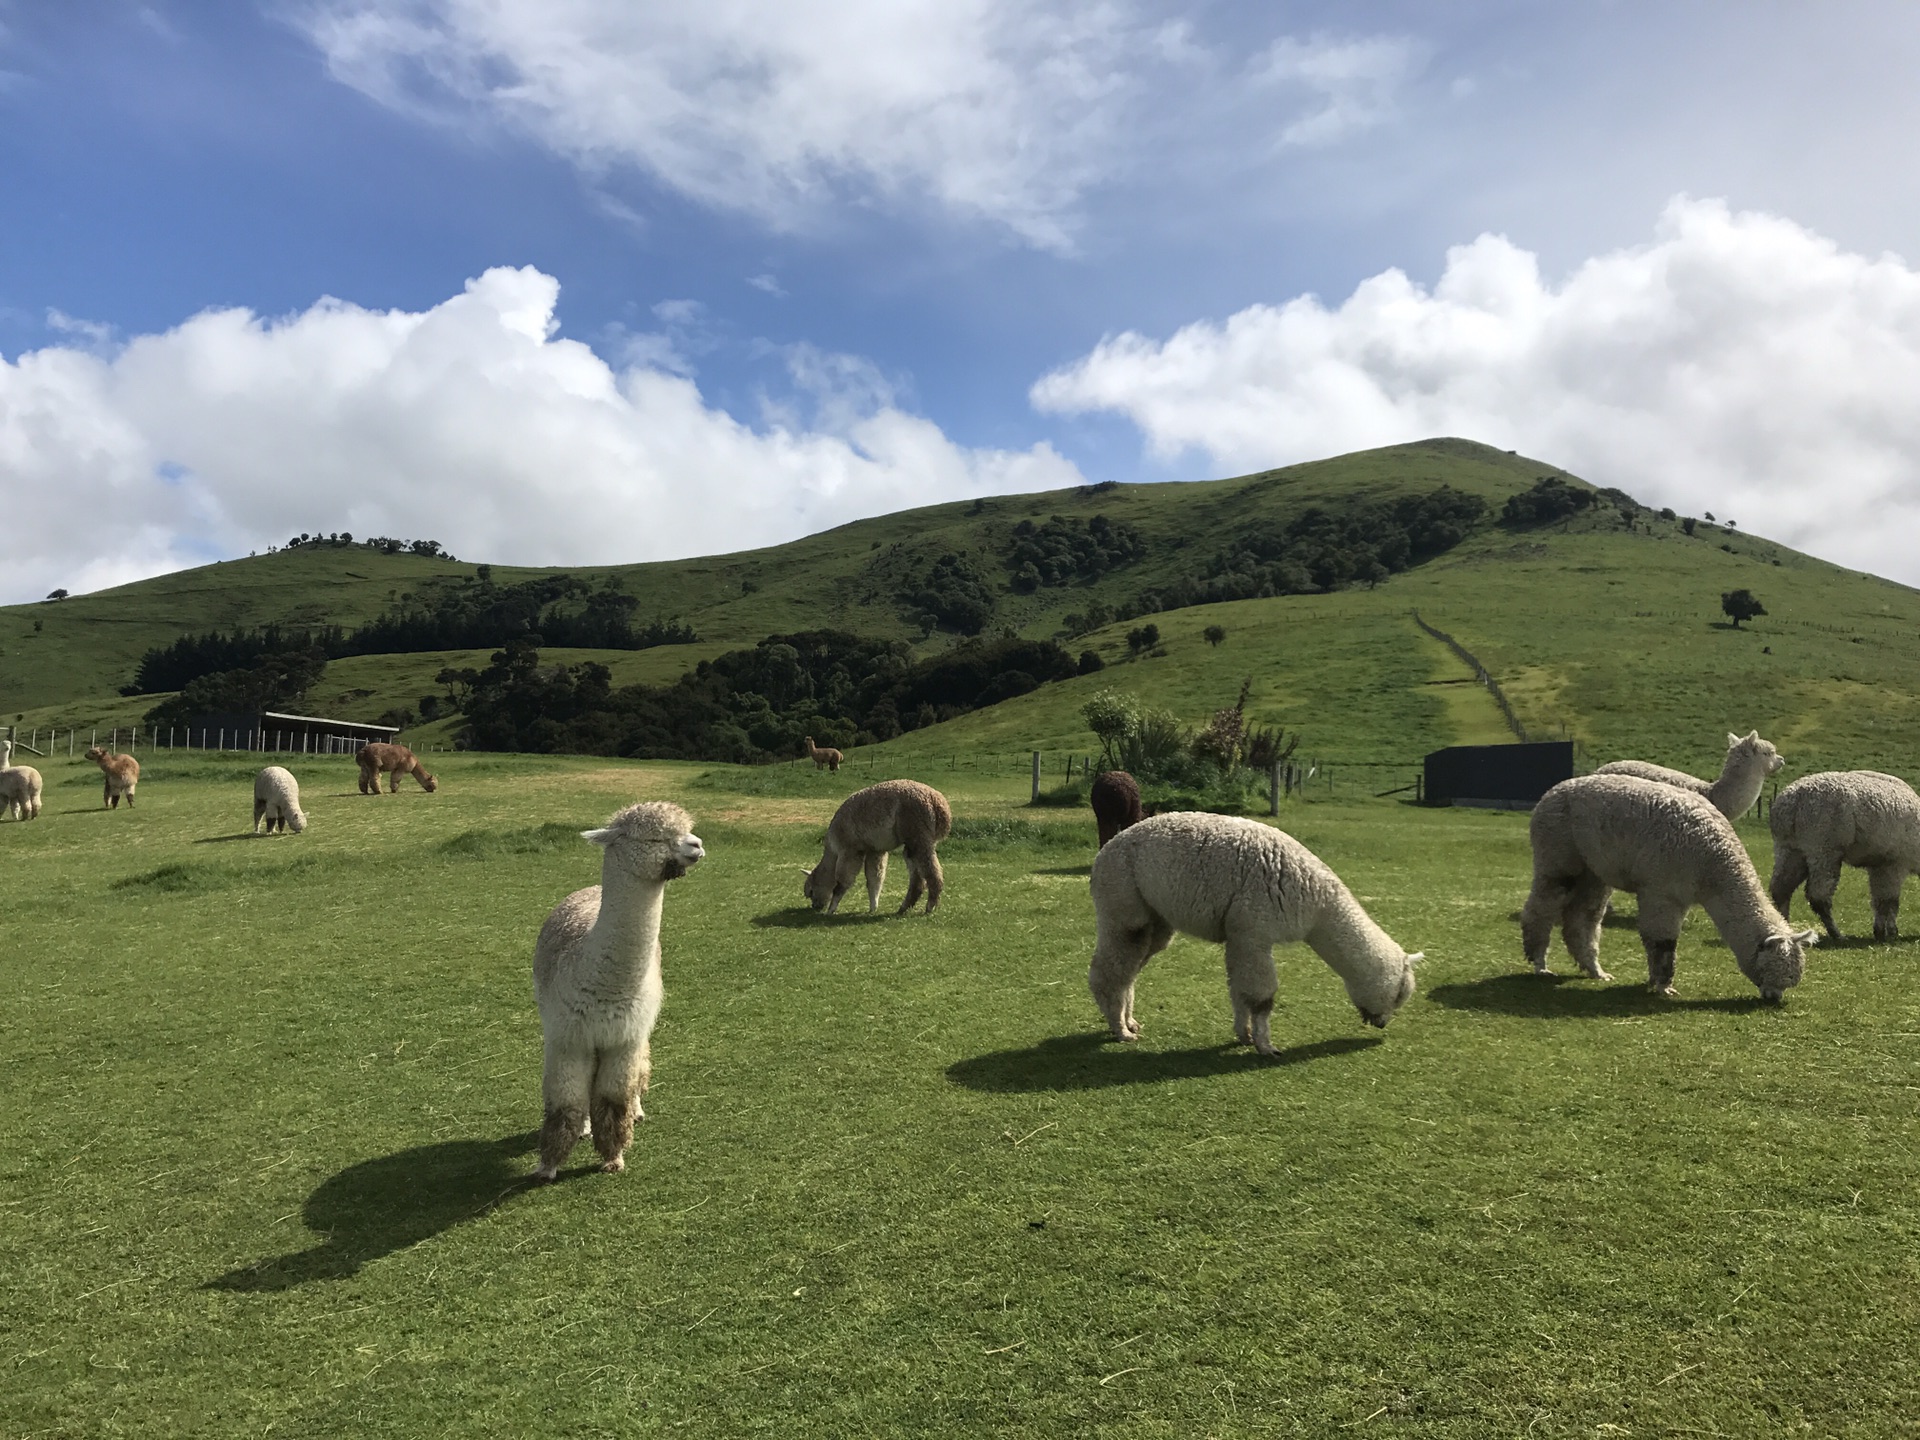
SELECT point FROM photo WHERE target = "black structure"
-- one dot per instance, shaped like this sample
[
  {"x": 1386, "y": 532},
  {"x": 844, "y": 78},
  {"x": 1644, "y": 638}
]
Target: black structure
[{"x": 1497, "y": 777}]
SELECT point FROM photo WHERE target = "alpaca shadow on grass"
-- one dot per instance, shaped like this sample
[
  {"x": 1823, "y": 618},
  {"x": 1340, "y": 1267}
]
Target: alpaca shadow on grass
[
  {"x": 804, "y": 917},
  {"x": 1574, "y": 997},
  {"x": 1068, "y": 870},
  {"x": 1614, "y": 919},
  {"x": 1094, "y": 1062},
  {"x": 376, "y": 1207},
  {"x": 223, "y": 839}
]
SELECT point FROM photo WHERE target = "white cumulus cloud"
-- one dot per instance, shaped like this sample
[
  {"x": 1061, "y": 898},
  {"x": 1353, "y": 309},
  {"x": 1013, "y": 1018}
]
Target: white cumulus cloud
[
  {"x": 471, "y": 423},
  {"x": 1738, "y": 363},
  {"x": 1000, "y": 110}
]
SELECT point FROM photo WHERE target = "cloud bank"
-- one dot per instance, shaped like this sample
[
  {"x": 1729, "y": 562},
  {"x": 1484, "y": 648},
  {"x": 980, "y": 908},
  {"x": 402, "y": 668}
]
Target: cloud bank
[
  {"x": 1739, "y": 363},
  {"x": 471, "y": 423},
  {"x": 998, "y": 110}
]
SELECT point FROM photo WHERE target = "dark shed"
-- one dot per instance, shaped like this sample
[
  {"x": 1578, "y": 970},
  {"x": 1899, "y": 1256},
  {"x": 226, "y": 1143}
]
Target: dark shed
[{"x": 1499, "y": 777}]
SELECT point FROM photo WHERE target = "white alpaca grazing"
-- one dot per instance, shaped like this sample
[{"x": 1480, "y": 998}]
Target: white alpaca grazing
[
  {"x": 276, "y": 800},
  {"x": 1671, "y": 847},
  {"x": 1218, "y": 878},
  {"x": 596, "y": 979},
  {"x": 1846, "y": 817},
  {"x": 19, "y": 786}
]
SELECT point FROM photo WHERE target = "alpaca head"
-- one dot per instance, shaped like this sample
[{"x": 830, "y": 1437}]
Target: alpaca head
[
  {"x": 427, "y": 782},
  {"x": 1378, "y": 995},
  {"x": 650, "y": 841},
  {"x": 296, "y": 820},
  {"x": 819, "y": 885},
  {"x": 97, "y": 753},
  {"x": 1780, "y": 962},
  {"x": 1750, "y": 749}
]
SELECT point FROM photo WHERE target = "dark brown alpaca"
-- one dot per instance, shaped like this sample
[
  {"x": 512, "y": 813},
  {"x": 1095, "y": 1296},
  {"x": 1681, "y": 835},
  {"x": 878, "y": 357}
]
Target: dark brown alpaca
[
  {"x": 393, "y": 761},
  {"x": 1116, "y": 803},
  {"x": 823, "y": 758}
]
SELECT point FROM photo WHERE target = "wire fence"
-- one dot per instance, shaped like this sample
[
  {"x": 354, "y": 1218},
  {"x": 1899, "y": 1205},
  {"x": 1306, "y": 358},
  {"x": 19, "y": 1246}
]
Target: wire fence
[{"x": 133, "y": 739}]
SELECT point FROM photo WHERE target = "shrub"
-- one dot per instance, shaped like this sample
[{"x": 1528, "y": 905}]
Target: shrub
[{"x": 1090, "y": 662}]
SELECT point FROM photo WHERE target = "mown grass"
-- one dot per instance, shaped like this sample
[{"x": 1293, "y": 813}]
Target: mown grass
[{"x": 268, "y": 1104}]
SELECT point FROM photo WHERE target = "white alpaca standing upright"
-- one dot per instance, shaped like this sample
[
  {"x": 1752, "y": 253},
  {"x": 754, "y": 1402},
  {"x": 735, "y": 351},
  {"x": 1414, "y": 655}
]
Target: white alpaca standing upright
[
  {"x": 596, "y": 979},
  {"x": 1219, "y": 878},
  {"x": 1750, "y": 760},
  {"x": 19, "y": 786}
]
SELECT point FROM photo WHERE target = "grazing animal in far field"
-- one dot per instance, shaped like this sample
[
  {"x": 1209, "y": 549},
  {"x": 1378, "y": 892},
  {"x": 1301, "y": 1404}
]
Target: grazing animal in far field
[
  {"x": 822, "y": 757},
  {"x": 1115, "y": 796},
  {"x": 891, "y": 815},
  {"x": 1222, "y": 878},
  {"x": 381, "y": 757},
  {"x": 596, "y": 979},
  {"x": 276, "y": 800},
  {"x": 122, "y": 772}
]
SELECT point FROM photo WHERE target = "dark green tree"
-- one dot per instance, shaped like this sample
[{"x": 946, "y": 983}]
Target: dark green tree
[
  {"x": 1738, "y": 605},
  {"x": 1214, "y": 634}
]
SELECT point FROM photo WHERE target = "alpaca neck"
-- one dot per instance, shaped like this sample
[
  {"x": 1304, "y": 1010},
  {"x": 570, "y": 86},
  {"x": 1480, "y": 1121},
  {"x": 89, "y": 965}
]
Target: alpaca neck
[
  {"x": 1348, "y": 940},
  {"x": 1742, "y": 913},
  {"x": 627, "y": 930},
  {"x": 1737, "y": 788}
]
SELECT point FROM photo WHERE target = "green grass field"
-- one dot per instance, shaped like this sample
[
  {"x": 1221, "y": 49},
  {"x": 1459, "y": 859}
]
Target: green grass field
[{"x": 269, "y": 1106}]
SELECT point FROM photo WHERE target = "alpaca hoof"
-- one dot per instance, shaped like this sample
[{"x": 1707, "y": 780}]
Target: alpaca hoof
[
  {"x": 546, "y": 1177},
  {"x": 1773, "y": 997},
  {"x": 613, "y": 1166},
  {"x": 1598, "y": 974},
  {"x": 1666, "y": 990}
]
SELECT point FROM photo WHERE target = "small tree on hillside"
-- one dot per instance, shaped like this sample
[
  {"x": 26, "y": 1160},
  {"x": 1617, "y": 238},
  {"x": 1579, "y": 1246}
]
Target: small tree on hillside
[
  {"x": 1111, "y": 716},
  {"x": 1214, "y": 634},
  {"x": 1142, "y": 637},
  {"x": 1740, "y": 605}
]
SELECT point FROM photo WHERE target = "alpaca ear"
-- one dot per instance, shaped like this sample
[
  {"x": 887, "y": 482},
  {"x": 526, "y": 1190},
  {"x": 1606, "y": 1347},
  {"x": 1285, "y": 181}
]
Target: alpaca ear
[
  {"x": 1808, "y": 938},
  {"x": 1732, "y": 740},
  {"x": 1416, "y": 957},
  {"x": 597, "y": 837}
]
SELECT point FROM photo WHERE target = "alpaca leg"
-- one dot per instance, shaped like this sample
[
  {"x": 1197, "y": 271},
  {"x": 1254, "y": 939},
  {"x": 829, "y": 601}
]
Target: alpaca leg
[
  {"x": 937, "y": 880},
  {"x": 616, "y": 1080},
  {"x": 393, "y": 782},
  {"x": 1823, "y": 878},
  {"x": 1789, "y": 874},
  {"x": 1121, "y": 950},
  {"x": 259, "y": 813},
  {"x": 1252, "y": 982},
  {"x": 876, "y": 867},
  {"x": 564, "y": 1087},
  {"x": 1545, "y": 905},
  {"x": 1883, "y": 884},
  {"x": 1581, "y": 920},
  {"x": 1660, "y": 932}
]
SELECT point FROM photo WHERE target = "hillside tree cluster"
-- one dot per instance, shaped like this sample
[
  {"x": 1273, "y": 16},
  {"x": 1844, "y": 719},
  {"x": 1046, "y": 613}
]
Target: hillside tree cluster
[
  {"x": 751, "y": 704},
  {"x": 1063, "y": 550}
]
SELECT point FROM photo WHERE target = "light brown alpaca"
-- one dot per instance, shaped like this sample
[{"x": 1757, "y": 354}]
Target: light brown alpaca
[
  {"x": 122, "y": 772},
  {"x": 869, "y": 823},
  {"x": 393, "y": 761},
  {"x": 823, "y": 759}
]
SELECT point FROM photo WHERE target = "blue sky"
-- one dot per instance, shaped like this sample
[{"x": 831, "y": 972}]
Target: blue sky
[{"x": 579, "y": 281}]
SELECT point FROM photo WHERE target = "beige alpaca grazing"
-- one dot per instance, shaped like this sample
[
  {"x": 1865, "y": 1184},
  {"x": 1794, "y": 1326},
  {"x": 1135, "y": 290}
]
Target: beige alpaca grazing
[
  {"x": 122, "y": 772},
  {"x": 826, "y": 759},
  {"x": 892, "y": 815},
  {"x": 393, "y": 761},
  {"x": 596, "y": 979}
]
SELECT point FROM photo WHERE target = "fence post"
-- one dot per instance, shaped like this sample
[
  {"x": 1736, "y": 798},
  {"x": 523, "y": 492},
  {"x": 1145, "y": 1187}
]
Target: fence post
[
  {"x": 1273, "y": 789},
  {"x": 1036, "y": 775}
]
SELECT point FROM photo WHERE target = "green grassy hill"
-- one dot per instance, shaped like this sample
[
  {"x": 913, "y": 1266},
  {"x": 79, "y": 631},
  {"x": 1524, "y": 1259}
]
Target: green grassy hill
[{"x": 1609, "y": 636}]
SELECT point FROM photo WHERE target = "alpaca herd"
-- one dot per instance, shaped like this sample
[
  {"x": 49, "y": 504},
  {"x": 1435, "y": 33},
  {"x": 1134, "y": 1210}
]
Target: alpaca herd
[{"x": 1661, "y": 835}]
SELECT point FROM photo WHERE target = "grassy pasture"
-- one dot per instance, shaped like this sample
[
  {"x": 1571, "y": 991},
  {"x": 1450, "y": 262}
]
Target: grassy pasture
[{"x": 268, "y": 1105}]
